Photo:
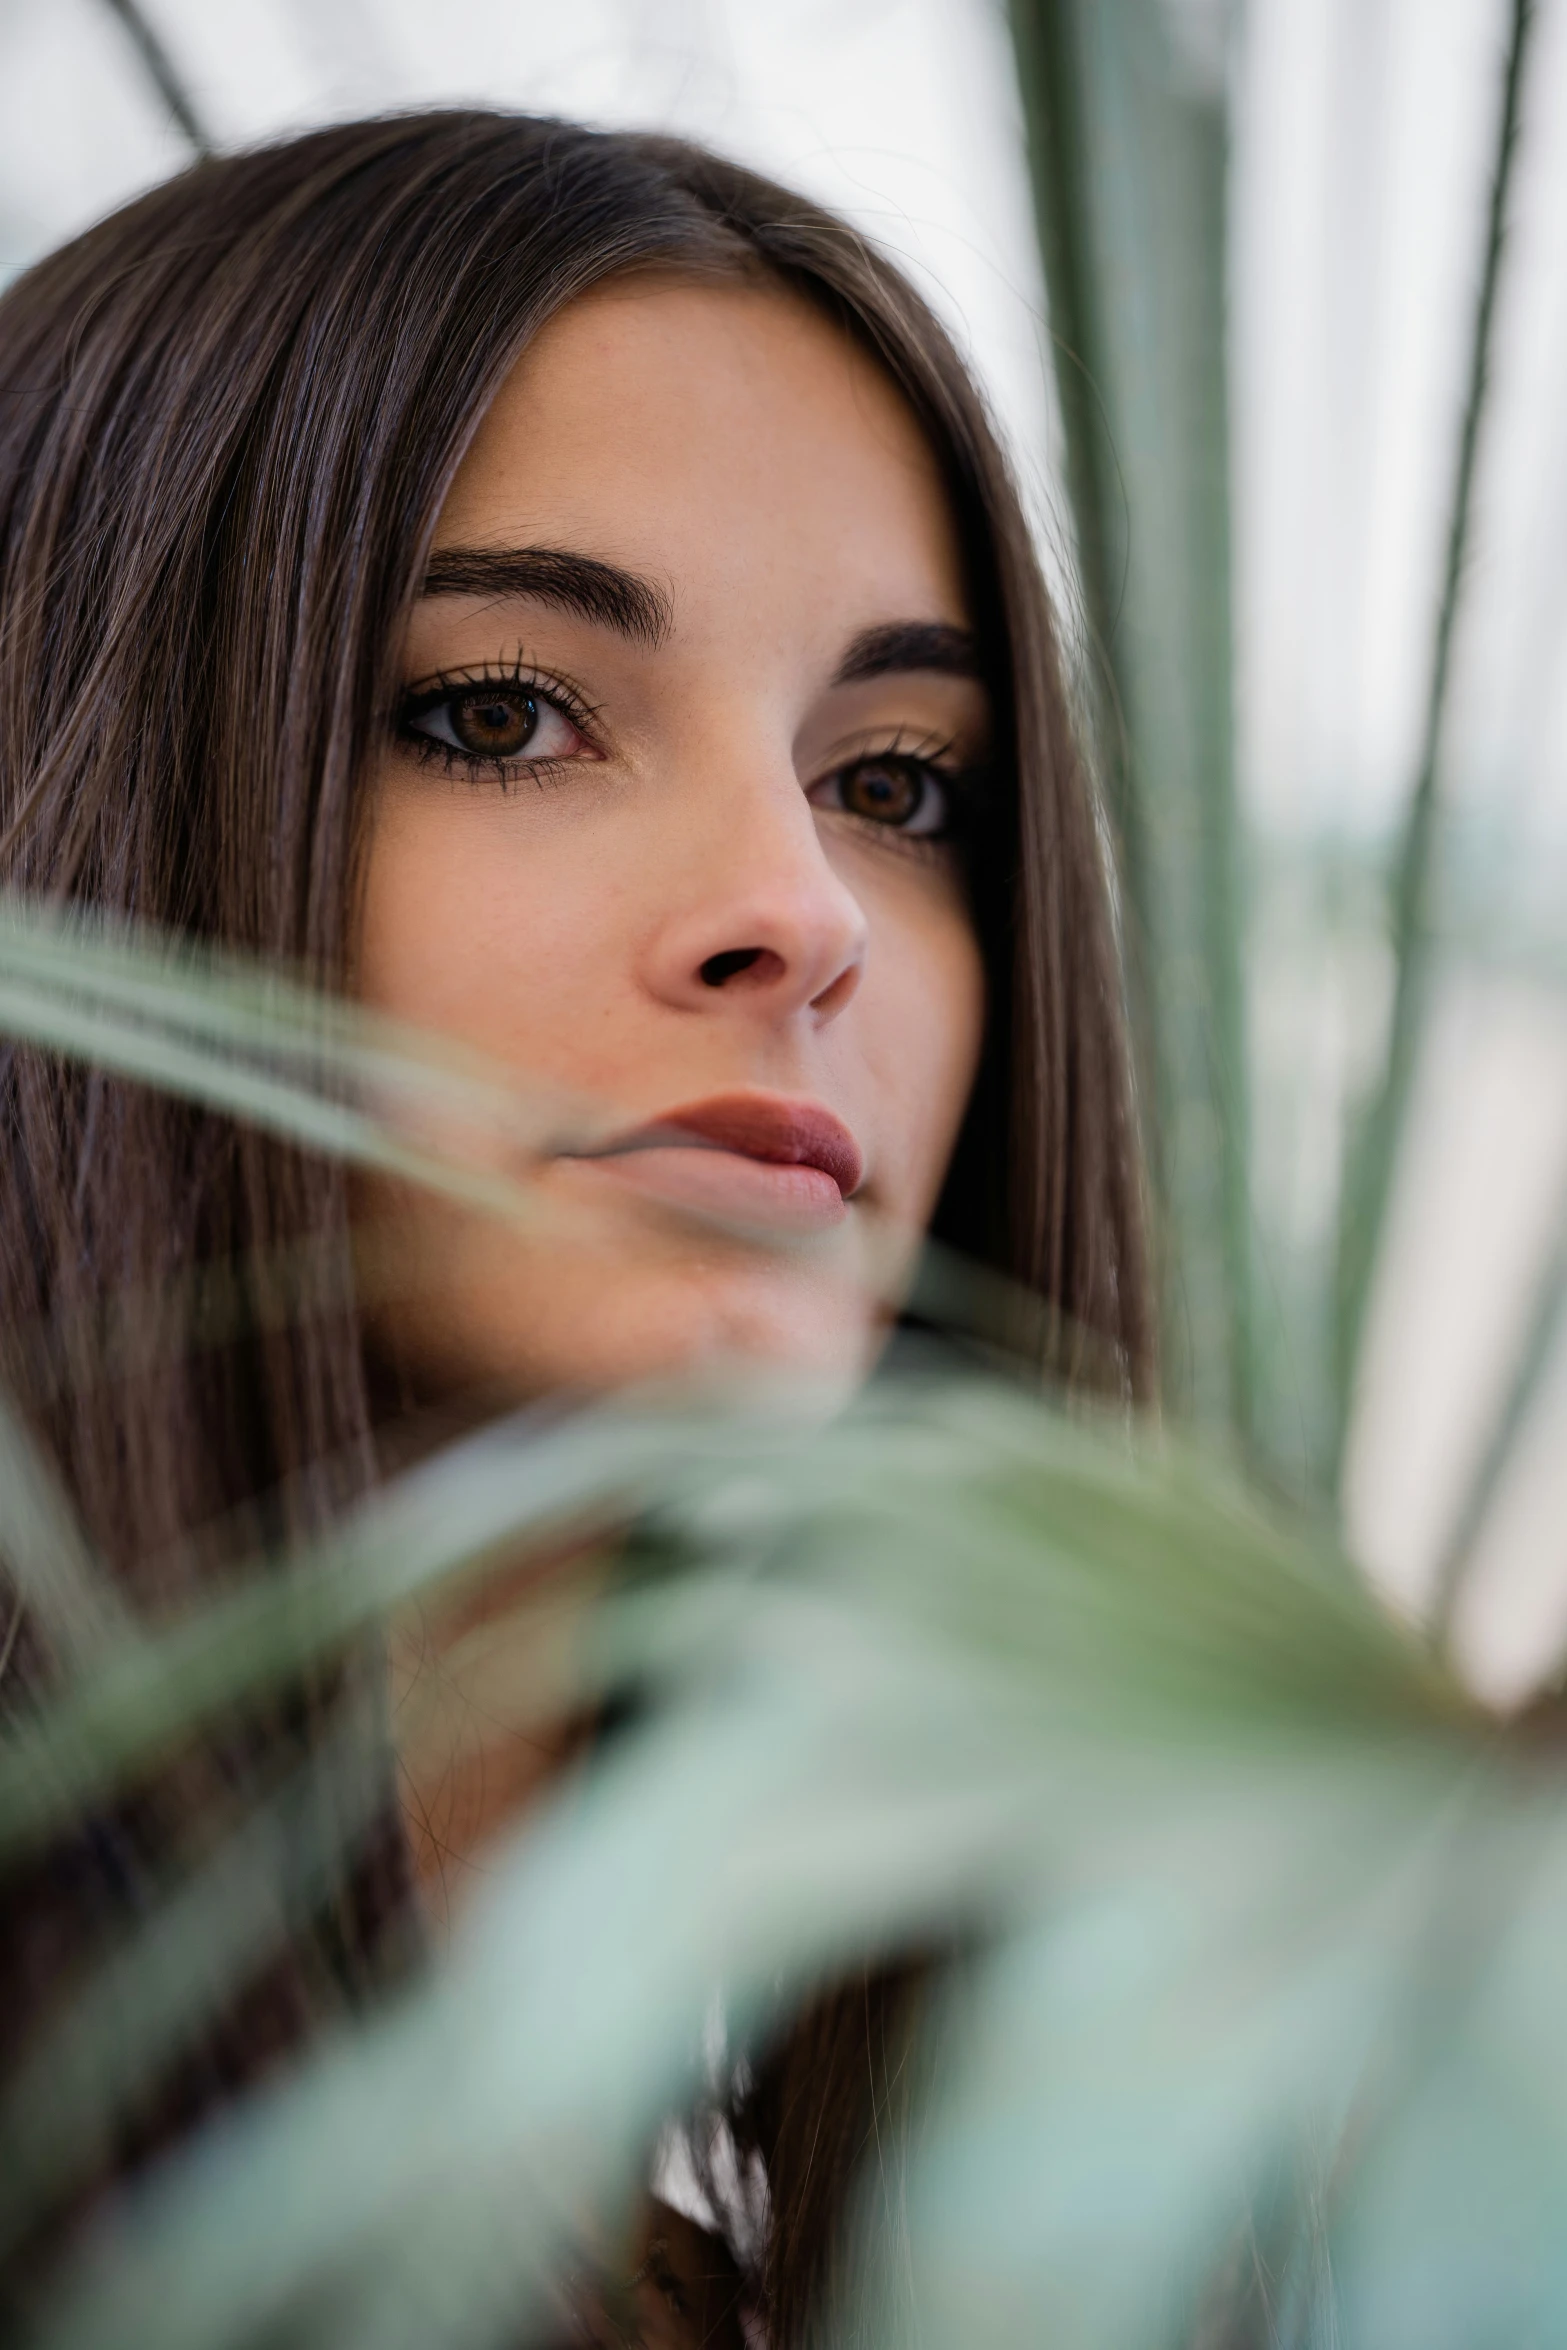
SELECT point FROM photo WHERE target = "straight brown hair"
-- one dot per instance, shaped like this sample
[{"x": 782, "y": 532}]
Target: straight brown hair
[{"x": 228, "y": 418}]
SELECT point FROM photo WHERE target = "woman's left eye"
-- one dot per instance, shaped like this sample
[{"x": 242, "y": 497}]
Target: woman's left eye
[
  {"x": 494, "y": 723},
  {"x": 900, "y": 794}
]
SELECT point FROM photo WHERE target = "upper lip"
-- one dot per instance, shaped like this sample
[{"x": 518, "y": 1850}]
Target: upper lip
[{"x": 782, "y": 1130}]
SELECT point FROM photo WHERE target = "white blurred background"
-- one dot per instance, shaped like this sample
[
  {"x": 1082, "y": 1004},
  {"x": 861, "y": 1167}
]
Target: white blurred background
[{"x": 1364, "y": 134}]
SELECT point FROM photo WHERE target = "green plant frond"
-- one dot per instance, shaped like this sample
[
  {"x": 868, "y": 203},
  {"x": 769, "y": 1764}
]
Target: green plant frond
[
  {"x": 1541, "y": 1338},
  {"x": 484, "y": 1496},
  {"x": 1372, "y": 1145},
  {"x": 221, "y": 1029},
  {"x": 1002, "y": 1520},
  {"x": 1457, "y": 2230},
  {"x": 143, "y": 2007},
  {"x": 277, "y": 1057},
  {"x": 53, "y": 1574},
  {"x": 1207, "y": 1887},
  {"x": 87, "y": 957},
  {"x": 1127, "y": 156}
]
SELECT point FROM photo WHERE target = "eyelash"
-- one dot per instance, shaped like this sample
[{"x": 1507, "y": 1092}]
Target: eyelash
[
  {"x": 957, "y": 784},
  {"x": 513, "y": 676},
  {"x": 961, "y": 788}
]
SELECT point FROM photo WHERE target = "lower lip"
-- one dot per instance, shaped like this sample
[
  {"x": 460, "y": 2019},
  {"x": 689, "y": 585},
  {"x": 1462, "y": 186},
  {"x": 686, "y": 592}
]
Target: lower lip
[{"x": 741, "y": 1190}]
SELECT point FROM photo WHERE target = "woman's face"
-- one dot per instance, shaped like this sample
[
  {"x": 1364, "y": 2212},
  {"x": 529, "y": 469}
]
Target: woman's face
[{"x": 668, "y": 821}]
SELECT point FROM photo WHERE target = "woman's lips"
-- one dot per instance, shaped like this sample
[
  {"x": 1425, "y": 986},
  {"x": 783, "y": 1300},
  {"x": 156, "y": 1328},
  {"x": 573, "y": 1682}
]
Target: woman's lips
[{"x": 764, "y": 1159}]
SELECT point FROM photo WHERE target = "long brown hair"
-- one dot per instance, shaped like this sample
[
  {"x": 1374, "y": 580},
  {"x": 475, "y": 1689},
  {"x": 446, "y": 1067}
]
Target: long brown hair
[{"x": 228, "y": 418}]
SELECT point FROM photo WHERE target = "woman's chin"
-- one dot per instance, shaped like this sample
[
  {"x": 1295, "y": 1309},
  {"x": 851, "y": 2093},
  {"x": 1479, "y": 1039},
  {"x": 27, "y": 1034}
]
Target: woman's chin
[
  {"x": 709, "y": 1333},
  {"x": 591, "y": 1327}
]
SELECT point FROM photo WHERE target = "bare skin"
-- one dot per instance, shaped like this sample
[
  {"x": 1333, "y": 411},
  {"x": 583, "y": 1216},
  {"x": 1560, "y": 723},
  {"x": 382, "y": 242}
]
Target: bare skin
[{"x": 670, "y": 820}]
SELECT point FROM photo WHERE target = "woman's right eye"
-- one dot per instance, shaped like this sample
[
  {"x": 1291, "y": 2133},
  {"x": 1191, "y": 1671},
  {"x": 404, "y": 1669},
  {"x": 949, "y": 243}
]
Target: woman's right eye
[{"x": 494, "y": 724}]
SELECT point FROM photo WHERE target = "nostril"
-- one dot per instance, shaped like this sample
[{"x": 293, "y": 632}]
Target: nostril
[{"x": 729, "y": 965}]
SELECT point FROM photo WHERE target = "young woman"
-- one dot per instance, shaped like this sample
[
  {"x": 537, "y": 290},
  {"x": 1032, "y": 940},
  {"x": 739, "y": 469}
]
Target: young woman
[{"x": 563, "y": 590}]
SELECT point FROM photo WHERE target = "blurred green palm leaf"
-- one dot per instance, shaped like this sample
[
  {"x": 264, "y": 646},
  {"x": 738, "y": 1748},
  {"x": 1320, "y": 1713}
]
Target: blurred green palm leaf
[{"x": 1249, "y": 1883}]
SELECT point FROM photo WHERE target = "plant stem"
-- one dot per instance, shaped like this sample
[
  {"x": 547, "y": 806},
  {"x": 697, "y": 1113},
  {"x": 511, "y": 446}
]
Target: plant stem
[
  {"x": 1128, "y": 156},
  {"x": 1538, "y": 1351},
  {"x": 1373, "y": 1145},
  {"x": 161, "y": 73}
]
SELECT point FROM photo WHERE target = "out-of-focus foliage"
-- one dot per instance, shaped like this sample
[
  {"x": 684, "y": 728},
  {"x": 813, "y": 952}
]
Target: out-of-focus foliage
[
  {"x": 1257, "y": 1919},
  {"x": 1130, "y": 156},
  {"x": 1130, "y": 108}
]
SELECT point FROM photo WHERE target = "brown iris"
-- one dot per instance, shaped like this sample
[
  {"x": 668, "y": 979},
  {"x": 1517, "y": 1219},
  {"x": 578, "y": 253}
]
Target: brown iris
[
  {"x": 883, "y": 790},
  {"x": 494, "y": 724}
]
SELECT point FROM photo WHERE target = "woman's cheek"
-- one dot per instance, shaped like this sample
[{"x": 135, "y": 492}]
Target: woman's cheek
[
  {"x": 482, "y": 923},
  {"x": 924, "y": 1021}
]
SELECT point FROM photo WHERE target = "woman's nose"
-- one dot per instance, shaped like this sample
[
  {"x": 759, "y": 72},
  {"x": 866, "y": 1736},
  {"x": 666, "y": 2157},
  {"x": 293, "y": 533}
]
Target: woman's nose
[{"x": 762, "y": 922}]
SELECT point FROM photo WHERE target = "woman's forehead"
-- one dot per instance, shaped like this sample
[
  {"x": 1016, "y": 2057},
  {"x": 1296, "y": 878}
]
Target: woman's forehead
[{"x": 725, "y": 440}]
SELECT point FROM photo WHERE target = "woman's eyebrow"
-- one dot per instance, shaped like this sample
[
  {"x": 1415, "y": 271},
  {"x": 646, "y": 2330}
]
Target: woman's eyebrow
[
  {"x": 910, "y": 644},
  {"x": 602, "y": 592}
]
